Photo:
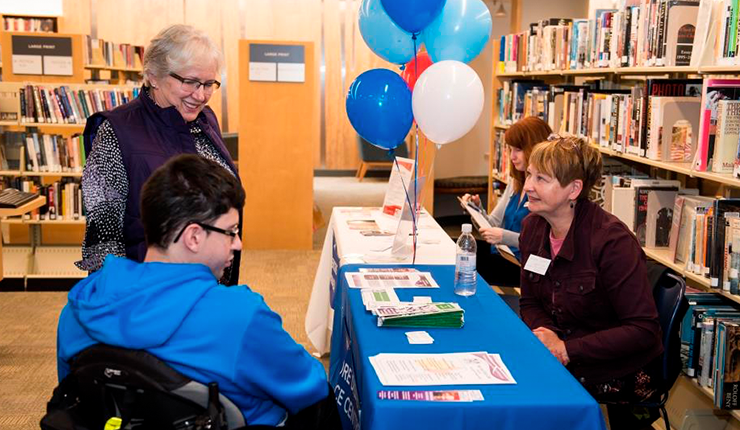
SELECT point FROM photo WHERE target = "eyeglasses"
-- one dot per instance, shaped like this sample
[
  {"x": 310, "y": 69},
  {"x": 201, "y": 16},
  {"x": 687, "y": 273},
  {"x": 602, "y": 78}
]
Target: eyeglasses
[
  {"x": 193, "y": 85},
  {"x": 233, "y": 233}
]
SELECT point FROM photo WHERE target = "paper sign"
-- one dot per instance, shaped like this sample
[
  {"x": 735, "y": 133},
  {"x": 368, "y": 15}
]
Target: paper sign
[
  {"x": 403, "y": 241},
  {"x": 398, "y": 185}
]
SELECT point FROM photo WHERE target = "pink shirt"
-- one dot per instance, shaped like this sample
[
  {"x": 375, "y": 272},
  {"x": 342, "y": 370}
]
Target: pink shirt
[{"x": 555, "y": 245}]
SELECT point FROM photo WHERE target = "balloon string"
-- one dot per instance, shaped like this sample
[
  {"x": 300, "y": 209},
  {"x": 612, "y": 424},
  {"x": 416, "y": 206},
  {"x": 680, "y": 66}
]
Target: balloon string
[{"x": 416, "y": 152}]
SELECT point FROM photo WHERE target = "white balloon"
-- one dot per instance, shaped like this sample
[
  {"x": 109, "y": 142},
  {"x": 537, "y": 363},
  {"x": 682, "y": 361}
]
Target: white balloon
[{"x": 447, "y": 101}]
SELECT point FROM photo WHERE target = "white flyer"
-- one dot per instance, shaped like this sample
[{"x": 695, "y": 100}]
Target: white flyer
[
  {"x": 376, "y": 280},
  {"x": 462, "y": 368},
  {"x": 373, "y": 298}
]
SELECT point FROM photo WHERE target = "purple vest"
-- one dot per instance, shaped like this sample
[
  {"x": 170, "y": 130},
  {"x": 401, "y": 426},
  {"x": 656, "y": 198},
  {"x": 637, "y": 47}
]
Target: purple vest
[{"x": 148, "y": 136}]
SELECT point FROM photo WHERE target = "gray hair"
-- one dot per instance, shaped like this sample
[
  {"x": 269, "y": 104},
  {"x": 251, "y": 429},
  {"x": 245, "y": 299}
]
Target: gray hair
[{"x": 179, "y": 47}]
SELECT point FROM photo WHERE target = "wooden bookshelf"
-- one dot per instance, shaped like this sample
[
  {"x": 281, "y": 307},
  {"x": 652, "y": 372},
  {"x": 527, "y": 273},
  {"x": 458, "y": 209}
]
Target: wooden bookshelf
[
  {"x": 709, "y": 393},
  {"x": 22, "y": 221},
  {"x": 44, "y": 125},
  {"x": 113, "y": 68},
  {"x": 697, "y": 394},
  {"x": 30, "y": 173},
  {"x": 730, "y": 70},
  {"x": 682, "y": 168},
  {"x": 499, "y": 178},
  {"x": 703, "y": 70},
  {"x": 585, "y": 72}
]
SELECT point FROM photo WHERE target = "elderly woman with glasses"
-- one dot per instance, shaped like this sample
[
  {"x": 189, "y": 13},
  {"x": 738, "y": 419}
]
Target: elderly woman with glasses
[
  {"x": 169, "y": 117},
  {"x": 585, "y": 291}
]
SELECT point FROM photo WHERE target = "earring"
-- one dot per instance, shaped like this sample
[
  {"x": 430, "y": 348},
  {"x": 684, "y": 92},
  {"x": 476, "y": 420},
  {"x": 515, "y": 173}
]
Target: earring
[{"x": 572, "y": 204}]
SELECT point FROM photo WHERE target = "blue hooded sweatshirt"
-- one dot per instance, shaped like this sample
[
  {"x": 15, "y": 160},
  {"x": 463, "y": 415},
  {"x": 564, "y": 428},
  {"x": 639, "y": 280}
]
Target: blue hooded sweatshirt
[{"x": 208, "y": 332}]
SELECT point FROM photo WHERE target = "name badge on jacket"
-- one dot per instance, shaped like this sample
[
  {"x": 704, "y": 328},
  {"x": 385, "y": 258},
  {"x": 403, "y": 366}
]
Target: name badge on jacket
[{"x": 537, "y": 264}]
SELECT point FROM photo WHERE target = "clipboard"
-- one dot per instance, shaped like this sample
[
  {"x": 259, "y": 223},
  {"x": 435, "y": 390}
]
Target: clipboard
[
  {"x": 476, "y": 213},
  {"x": 507, "y": 253}
]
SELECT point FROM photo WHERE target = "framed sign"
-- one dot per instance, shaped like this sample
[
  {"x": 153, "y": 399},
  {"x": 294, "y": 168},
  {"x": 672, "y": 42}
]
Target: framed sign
[
  {"x": 277, "y": 63},
  {"x": 42, "y": 55}
]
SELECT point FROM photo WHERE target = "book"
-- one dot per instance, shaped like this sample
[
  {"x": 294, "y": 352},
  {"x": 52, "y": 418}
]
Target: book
[
  {"x": 727, "y": 136},
  {"x": 659, "y": 217},
  {"x": 721, "y": 207},
  {"x": 713, "y": 91},
  {"x": 674, "y": 122},
  {"x": 727, "y": 371},
  {"x": 680, "y": 32}
]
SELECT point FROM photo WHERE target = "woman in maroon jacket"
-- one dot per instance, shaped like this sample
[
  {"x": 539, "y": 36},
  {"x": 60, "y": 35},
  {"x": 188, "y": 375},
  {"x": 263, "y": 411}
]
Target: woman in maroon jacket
[{"x": 585, "y": 292}]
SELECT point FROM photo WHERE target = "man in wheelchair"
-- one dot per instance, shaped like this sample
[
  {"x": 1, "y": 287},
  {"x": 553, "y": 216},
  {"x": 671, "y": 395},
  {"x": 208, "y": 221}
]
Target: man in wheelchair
[{"x": 172, "y": 307}]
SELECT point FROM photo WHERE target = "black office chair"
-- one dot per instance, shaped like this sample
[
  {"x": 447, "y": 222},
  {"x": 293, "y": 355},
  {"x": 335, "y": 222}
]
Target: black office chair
[
  {"x": 144, "y": 392},
  {"x": 371, "y": 156},
  {"x": 668, "y": 293}
]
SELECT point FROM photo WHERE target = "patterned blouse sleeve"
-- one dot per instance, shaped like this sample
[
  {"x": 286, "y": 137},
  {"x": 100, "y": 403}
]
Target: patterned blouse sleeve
[{"x": 104, "y": 190}]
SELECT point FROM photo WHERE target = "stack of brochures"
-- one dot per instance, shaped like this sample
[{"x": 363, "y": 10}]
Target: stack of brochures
[{"x": 421, "y": 315}]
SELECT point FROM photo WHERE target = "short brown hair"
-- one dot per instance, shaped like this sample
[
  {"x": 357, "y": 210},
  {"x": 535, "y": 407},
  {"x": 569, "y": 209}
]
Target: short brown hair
[
  {"x": 524, "y": 135},
  {"x": 186, "y": 189},
  {"x": 567, "y": 159}
]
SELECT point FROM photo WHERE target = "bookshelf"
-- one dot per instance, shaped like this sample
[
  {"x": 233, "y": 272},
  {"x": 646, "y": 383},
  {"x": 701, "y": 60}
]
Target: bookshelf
[
  {"x": 718, "y": 184},
  {"x": 31, "y": 24},
  {"x": 42, "y": 252}
]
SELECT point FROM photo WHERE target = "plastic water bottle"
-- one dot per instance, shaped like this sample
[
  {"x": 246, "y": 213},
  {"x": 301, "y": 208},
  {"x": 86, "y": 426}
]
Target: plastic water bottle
[{"x": 465, "y": 277}]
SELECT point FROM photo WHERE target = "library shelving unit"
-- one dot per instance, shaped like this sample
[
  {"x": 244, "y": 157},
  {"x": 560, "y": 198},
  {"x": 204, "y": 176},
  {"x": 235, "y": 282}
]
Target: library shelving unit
[
  {"x": 115, "y": 69},
  {"x": 40, "y": 254},
  {"x": 30, "y": 23},
  {"x": 720, "y": 183}
]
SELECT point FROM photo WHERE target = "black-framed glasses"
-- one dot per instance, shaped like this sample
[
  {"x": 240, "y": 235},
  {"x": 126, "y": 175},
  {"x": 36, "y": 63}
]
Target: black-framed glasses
[
  {"x": 192, "y": 85},
  {"x": 232, "y": 233}
]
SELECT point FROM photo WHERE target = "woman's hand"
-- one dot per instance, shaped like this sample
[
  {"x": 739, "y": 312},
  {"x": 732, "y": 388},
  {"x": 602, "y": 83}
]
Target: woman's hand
[
  {"x": 493, "y": 235},
  {"x": 553, "y": 343},
  {"x": 471, "y": 198}
]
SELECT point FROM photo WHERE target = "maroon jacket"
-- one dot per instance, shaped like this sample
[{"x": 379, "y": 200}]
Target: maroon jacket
[{"x": 595, "y": 295}]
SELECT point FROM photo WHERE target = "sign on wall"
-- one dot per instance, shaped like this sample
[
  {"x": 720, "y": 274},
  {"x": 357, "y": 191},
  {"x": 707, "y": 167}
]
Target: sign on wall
[
  {"x": 42, "y": 55},
  {"x": 277, "y": 63}
]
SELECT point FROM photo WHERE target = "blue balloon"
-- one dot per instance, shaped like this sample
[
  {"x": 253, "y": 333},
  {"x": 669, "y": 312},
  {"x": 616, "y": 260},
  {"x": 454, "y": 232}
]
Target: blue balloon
[
  {"x": 389, "y": 41},
  {"x": 413, "y": 15},
  {"x": 379, "y": 108},
  {"x": 460, "y": 32}
]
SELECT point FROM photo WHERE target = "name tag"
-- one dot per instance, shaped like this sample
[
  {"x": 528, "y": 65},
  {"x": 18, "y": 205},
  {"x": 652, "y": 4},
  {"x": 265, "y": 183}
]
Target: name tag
[{"x": 537, "y": 264}]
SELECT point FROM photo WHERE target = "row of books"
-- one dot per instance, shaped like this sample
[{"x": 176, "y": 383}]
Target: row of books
[
  {"x": 63, "y": 105},
  {"x": 42, "y": 152},
  {"x": 63, "y": 199},
  {"x": 701, "y": 234},
  {"x": 638, "y": 33},
  {"x": 693, "y": 121},
  {"x": 710, "y": 344},
  {"x": 132, "y": 55},
  {"x": 27, "y": 24}
]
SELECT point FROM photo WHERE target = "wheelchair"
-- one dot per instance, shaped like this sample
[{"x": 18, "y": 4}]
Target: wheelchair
[{"x": 115, "y": 388}]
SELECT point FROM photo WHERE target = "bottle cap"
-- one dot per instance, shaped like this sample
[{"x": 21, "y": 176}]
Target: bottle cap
[{"x": 467, "y": 228}]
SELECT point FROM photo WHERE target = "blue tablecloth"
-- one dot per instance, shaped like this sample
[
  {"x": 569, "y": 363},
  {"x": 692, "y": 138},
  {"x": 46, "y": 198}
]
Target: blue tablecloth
[{"x": 546, "y": 396}]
